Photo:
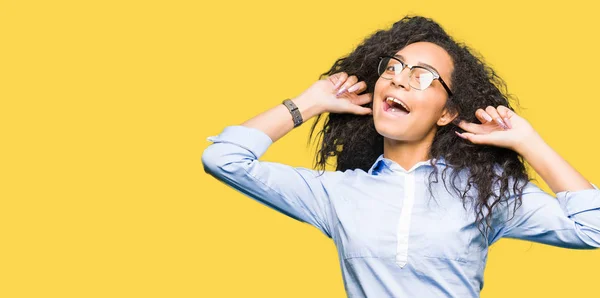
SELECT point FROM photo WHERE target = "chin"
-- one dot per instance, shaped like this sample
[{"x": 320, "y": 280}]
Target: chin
[{"x": 388, "y": 130}]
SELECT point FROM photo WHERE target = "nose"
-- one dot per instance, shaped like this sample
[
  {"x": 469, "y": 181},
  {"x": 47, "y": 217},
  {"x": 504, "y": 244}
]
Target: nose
[{"x": 401, "y": 79}]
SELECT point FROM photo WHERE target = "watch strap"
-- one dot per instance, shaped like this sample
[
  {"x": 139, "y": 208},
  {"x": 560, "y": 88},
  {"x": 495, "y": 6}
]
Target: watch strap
[{"x": 296, "y": 116}]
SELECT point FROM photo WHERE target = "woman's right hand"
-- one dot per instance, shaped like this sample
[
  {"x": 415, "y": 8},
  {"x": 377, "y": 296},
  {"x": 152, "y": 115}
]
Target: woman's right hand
[{"x": 339, "y": 93}]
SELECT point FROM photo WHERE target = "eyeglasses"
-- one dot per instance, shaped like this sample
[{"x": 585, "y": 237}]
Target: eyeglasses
[{"x": 420, "y": 77}]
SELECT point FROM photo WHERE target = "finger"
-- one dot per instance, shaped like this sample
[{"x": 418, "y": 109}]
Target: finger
[
  {"x": 349, "y": 82},
  {"x": 332, "y": 79},
  {"x": 358, "y": 87},
  {"x": 506, "y": 114},
  {"x": 340, "y": 78},
  {"x": 356, "y": 109},
  {"x": 492, "y": 112},
  {"x": 482, "y": 116},
  {"x": 471, "y": 127},
  {"x": 461, "y": 135},
  {"x": 363, "y": 99},
  {"x": 473, "y": 138},
  {"x": 357, "y": 99}
]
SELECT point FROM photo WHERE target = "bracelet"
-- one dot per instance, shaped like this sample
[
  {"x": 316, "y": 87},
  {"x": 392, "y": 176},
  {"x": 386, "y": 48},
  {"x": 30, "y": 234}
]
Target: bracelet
[{"x": 296, "y": 116}]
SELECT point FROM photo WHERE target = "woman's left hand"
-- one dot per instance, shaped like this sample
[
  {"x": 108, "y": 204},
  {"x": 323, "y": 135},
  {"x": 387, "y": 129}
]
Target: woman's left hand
[{"x": 500, "y": 127}]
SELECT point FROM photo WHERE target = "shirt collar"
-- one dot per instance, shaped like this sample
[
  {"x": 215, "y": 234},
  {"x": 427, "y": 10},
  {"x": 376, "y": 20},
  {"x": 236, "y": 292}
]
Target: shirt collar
[{"x": 384, "y": 165}]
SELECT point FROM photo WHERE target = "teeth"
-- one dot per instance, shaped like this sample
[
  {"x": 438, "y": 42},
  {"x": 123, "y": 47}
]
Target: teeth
[{"x": 398, "y": 102}]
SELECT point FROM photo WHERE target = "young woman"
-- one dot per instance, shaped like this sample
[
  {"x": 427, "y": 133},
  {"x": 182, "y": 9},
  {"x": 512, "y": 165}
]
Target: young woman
[{"x": 430, "y": 167}]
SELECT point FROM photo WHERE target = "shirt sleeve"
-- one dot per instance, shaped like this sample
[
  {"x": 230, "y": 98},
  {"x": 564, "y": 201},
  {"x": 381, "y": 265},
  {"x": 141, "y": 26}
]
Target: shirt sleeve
[
  {"x": 296, "y": 192},
  {"x": 570, "y": 220}
]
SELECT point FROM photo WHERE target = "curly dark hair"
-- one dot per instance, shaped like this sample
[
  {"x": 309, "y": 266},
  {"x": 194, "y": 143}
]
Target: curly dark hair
[{"x": 355, "y": 144}]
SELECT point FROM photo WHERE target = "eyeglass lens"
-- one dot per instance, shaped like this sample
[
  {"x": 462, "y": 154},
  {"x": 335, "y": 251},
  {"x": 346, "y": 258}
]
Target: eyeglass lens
[{"x": 420, "y": 78}]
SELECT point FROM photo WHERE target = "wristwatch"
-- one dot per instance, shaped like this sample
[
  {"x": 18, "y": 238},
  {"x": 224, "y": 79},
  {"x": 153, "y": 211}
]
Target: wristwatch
[{"x": 296, "y": 116}]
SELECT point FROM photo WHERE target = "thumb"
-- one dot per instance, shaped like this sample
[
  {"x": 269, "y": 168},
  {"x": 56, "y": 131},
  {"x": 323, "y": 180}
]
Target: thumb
[
  {"x": 476, "y": 139},
  {"x": 356, "y": 109},
  {"x": 363, "y": 99}
]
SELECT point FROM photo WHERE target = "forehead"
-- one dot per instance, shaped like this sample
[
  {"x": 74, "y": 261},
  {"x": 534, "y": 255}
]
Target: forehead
[{"x": 428, "y": 53}]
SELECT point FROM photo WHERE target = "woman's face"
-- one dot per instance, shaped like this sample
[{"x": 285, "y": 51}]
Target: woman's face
[{"x": 426, "y": 107}]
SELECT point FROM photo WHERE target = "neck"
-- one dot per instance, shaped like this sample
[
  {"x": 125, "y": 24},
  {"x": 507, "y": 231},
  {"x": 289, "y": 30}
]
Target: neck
[{"x": 406, "y": 153}]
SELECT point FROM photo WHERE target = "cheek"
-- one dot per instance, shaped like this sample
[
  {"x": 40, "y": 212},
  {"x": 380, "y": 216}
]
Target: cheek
[
  {"x": 431, "y": 103},
  {"x": 427, "y": 112},
  {"x": 377, "y": 100},
  {"x": 380, "y": 84}
]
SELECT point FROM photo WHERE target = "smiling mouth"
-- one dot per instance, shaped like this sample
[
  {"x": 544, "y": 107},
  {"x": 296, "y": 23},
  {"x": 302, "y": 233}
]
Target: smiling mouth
[{"x": 395, "y": 106}]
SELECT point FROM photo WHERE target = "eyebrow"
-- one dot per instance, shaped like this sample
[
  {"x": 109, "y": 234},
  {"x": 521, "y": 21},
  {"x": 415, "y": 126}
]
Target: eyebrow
[{"x": 420, "y": 64}]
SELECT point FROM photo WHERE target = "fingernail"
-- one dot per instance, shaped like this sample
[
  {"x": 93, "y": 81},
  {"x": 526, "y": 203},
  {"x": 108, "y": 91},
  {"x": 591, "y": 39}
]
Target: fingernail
[
  {"x": 458, "y": 134},
  {"x": 353, "y": 88},
  {"x": 501, "y": 123},
  {"x": 341, "y": 92},
  {"x": 487, "y": 117},
  {"x": 507, "y": 121}
]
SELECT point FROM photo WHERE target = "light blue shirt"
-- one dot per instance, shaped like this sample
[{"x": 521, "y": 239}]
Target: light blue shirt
[{"x": 393, "y": 239}]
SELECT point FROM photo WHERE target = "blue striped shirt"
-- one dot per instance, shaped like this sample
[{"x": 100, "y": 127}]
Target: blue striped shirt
[{"x": 395, "y": 238}]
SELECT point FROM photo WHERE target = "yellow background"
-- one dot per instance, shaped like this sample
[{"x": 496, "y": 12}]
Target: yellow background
[{"x": 106, "y": 106}]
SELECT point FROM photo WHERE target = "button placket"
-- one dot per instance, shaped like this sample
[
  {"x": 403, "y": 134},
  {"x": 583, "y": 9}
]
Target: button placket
[{"x": 403, "y": 230}]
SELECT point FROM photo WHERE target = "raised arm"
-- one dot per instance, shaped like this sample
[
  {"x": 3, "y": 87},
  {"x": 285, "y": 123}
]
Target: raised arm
[
  {"x": 300, "y": 193},
  {"x": 319, "y": 98},
  {"x": 520, "y": 137},
  {"x": 556, "y": 172},
  {"x": 572, "y": 219}
]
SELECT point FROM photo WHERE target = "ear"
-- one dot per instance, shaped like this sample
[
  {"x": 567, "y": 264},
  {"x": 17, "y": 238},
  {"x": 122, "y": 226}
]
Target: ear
[{"x": 446, "y": 117}]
